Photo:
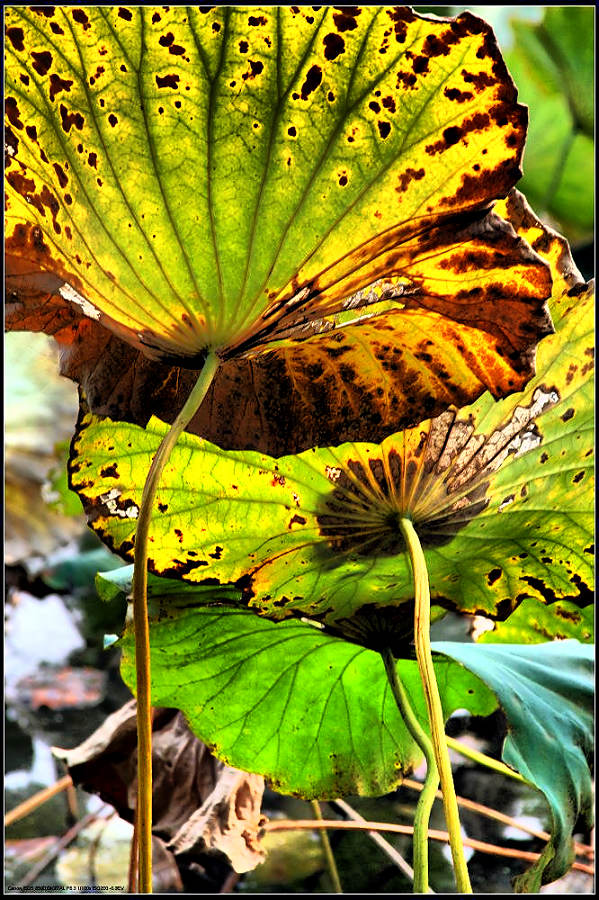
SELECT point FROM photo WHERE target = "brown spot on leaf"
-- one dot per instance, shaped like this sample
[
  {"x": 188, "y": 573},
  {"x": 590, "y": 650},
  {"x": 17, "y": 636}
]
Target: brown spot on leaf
[
  {"x": 313, "y": 79},
  {"x": 345, "y": 19},
  {"x": 42, "y": 61},
  {"x": 168, "y": 81},
  {"x": 546, "y": 592},
  {"x": 217, "y": 553},
  {"x": 389, "y": 103},
  {"x": 12, "y": 111},
  {"x": 80, "y": 17},
  {"x": 384, "y": 129},
  {"x": 256, "y": 68},
  {"x": 406, "y": 177},
  {"x": 69, "y": 119},
  {"x": 110, "y": 471},
  {"x": 62, "y": 178},
  {"x": 296, "y": 520},
  {"x": 179, "y": 534},
  {"x": 166, "y": 39},
  {"x": 586, "y": 594},
  {"x": 58, "y": 84},
  {"x": 479, "y": 81},
  {"x": 15, "y": 36},
  {"x": 400, "y": 16},
  {"x": 125, "y": 14},
  {"x": 92, "y": 160},
  {"x": 420, "y": 64},
  {"x": 567, "y": 415},
  {"x": 459, "y": 96},
  {"x": 407, "y": 79},
  {"x": 257, "y": 20},
  {"x": 112, "y": 120},
  {"x": 493, "y": 575},
  {"x": 243, "y": 46},
  {"x": 334, "y": 45}
]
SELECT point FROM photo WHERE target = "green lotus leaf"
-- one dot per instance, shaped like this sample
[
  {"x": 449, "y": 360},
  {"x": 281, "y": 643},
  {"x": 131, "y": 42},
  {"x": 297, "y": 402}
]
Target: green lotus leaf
[
  {"x": 228, "y": 177},
  {"x": 314, "y": 714},
  {"x": 547, "y": 694},
  {"x": 500, "y": 493},
  {"x": 311, "y": 712}
]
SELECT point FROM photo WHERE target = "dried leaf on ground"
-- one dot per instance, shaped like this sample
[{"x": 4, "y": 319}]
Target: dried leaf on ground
[{"x": 200, "y": 805}]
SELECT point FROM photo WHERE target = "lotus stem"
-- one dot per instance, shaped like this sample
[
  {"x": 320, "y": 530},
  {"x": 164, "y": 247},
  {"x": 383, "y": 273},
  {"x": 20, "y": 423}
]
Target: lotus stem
[
  {"x": 431, "y": 783},
  {"x": 140, "y": 620},
  {"x": 424, "y": 657},
  {"x": 328, "y": 852}
]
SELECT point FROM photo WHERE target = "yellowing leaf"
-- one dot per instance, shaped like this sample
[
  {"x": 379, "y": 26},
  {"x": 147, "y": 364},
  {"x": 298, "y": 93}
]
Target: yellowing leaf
[
  {"x": 499, "y": 492},
  {"x": 223, "y": 177}
]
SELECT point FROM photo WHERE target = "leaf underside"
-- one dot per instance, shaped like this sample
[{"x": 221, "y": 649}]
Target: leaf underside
[
  {"x": 221, "y": 158},
  {"x": 500, "y": 493},
  {"x": 309, "y": 711},
  {"x": 315, "y": 716}
]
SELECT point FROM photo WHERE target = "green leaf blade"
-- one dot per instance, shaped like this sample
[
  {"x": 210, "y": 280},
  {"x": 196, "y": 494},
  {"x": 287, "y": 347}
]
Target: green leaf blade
[
  {"x": 547, "y": 694},
  {"x": 309, "y": 711}
]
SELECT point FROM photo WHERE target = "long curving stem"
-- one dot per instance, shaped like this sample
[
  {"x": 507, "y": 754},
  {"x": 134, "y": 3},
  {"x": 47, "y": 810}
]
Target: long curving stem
[
  {"x": 431, "y": 783},
  {"x": 141, "y": 625},
  {"x": 422, "y": 622}
]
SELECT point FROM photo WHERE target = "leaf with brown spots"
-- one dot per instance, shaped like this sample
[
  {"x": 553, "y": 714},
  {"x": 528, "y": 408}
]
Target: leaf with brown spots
[
  {"x": 352, "y": 378},
  {"x": 227, "y": 179},
  {"x": 493, "y": 489},
  {"x": 534, "y": 623}
]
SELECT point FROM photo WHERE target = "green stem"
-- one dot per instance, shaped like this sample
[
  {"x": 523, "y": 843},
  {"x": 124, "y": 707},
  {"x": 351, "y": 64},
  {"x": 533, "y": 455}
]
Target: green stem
[
  {"x": 328, "y": 852},
  {"x": 141, "y": 625},
  {"x": 483, "y": 760},
  {"x": 424, "y": 658},
  {"x": 431, "y": 782}
]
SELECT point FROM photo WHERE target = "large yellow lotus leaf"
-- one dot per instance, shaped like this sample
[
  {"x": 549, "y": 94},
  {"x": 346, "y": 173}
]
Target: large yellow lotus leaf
[
  {"x": 501, "y": 495},
  {"x": 201, "y": 177}
]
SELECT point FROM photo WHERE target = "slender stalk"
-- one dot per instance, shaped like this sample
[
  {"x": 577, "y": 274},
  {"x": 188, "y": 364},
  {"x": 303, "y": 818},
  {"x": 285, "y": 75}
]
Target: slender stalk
[
  {"x": 427, "y": 797},
  {"x": 483, "y": 760},
  {"x": 328, "y": 852},
  {"x": 140, "y": 620},
  {"x": 424, "y": 658}
]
